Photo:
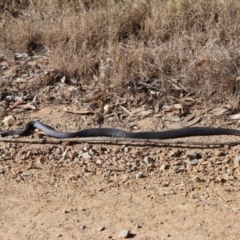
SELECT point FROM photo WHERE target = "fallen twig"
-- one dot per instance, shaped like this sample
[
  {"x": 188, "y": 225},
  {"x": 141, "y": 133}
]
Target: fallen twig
[{"x": 115, "y": 140}]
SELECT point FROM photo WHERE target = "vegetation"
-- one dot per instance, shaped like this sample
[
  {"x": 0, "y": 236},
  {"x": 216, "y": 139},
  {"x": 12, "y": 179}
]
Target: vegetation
[{"x": 192, "y": 42}]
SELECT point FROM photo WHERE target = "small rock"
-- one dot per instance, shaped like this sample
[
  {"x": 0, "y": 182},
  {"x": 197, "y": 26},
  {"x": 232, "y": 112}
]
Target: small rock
[
  {"x": 8, "y": 121},
  {"x": 237, "y": 158},
  {"x": 166, "y": 184},
  {"x": 164, "y": 167},
  {"x": 19, "y": 178},
  {"x": 66, "y": 211},
  {"x": 191, "y": 155},
  {"x": 148, "y": 160},
  {"x": 64, "y": 154},
  {"x": 134, "y": 167},
  {"x": 101, "y": 228},
  {"x": 21, "y": 55},
  {"x": 86, "y": 155},
  {"x": 124, "y": 234},
  {"x": 107, "y": 173},
  {"x": 26, "y": 174},
  {"x": 139, "y": 225},
  {"x": 139, "y": 175},
  {"x": 194, "y": 162},
  {"x": 76, "y": 160},
  {"x": 125, "y": 177},
  {"x": 222, "y": 179},
  {"x": 82, "y": 227},
  {"x": 2, "y": 171},
  {"x": 175, "y": 153},
  {"x": 182, "y": 168},
  {"x": 219, "y": 153},
  {"x": 237, "y": 162},
  {"x": 99, "y": 162},
  {"x": 107, "y": 108},
  {"x": 85, "y": 148},
  {"x": 70, "y": 177},
  {"x": 176, "y": 168},
  {"x": 52, "y": 180},
  {"x": 88, "y": 174}
]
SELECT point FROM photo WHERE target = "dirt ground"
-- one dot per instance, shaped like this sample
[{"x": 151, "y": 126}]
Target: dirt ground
[
  {"x": 95, "y": 191},
  {"x": 132, "y": 65}
]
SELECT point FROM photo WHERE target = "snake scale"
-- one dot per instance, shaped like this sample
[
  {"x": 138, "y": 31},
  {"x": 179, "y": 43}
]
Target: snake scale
[{"x": 114, "y": 132}]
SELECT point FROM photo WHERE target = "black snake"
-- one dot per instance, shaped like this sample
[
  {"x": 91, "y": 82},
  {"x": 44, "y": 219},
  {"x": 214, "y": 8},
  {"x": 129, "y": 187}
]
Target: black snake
[{"x": 113, "y": 132}]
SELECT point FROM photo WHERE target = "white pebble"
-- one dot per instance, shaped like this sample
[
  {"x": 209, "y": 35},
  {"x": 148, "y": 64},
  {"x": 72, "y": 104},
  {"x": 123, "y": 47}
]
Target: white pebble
[{"x": 124, "y": 234}]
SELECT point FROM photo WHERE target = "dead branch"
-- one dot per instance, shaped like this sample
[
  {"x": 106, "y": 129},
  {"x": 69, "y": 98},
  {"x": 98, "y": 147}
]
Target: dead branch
[{"x": 116, "y": 140}]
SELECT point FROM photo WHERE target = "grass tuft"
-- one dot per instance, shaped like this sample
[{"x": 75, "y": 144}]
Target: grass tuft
[{"x": 195, "y": 43}]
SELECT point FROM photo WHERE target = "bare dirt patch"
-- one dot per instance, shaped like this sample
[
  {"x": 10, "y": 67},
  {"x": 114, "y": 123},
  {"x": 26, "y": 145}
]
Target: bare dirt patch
[
  {"x": 134, "y": 65},
  {"x": 73, "y": 191}
]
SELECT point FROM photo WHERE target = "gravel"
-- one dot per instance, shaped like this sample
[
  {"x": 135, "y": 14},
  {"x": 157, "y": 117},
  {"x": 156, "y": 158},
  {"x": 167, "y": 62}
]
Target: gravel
[
  {"x": 100, "y": 228},
  {"x": 124, "y": 234},
  {"x": 139, "y": 175}
]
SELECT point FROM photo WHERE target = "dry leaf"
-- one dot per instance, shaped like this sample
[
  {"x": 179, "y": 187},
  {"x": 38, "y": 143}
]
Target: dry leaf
[
  {"x": 234, "y": 116},
  {"x": 172, "y": 118},
  {"x": 202, "y": 111},
  {"x": 218, "y": 111},
  {"x": 173, "y": 125},
  {"x": 16, "y": 104},
  {"x": 179, "y": 107},
  {"x": 8, "y": 121},
  {"x": 183, "y": 88},
  {"x": 156, "y": 107},
  {"x": 146, "y": 113},
  {"x": 176, "y": 87},
  {"x": 200, "y": 63},
  {"x": 167, "y": 108},
  {"x": 187, "y": 101},
  {"x": 159, "y": 115},
  {"x": 107, "y": 109},
  {"x": 34, "y": 98},
  {"x": 32, "y": 78},
  {"x": 27, "y": 106},
  {"x": 32, "y": 63},
  {"x": 82, "y": 111},
  {"x": 227, "y": 106},
  {"x": 63, "y": 79},
  {"x": 189, "y": 117},
  {"x": 182, "y": 124},
  {"x": 229, "y": 122},
  {"x": 10, "y": 72},
  {"x": 95, "y": 78},
  {"x": 125, "y": 110},
  {"x": 4, "y": 63},
  {"x": 192, "y": 122},
  {"x": 137, "y": 110},
  {"x": 94, "y": 98}
]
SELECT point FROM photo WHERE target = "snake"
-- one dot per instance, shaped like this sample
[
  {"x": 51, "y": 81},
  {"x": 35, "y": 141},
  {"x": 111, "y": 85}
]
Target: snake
[{"x": 114, "y": 132}]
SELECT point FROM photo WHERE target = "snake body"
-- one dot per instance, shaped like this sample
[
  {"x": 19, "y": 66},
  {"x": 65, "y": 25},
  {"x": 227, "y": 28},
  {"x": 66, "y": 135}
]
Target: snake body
[{"x": 114, "y": 132}]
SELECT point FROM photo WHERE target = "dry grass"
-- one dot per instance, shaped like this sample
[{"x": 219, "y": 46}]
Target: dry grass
[{"x": 196, "y": 43}]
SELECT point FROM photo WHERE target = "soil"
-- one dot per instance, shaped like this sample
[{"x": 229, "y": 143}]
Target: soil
[
  {"x": 97, "y": 190},
  {"x": 56, "y": 192}
]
